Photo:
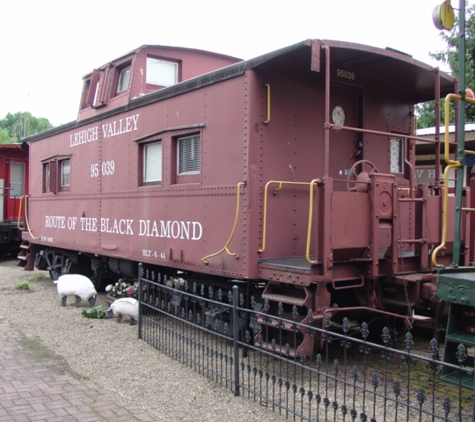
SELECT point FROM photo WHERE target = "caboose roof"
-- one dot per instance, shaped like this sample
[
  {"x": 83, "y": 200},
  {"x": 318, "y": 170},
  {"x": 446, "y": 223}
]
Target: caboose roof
[
  {"x": 166, "y": 49},
  {"x": 391, "y": 66},
  {"x": 414, "y": 78},
  {"x": 17, "y": 146},
  {"x": 386, "y": 65}
]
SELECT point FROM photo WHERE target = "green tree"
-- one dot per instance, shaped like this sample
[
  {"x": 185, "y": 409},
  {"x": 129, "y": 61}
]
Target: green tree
[
  {"x": 449, "y": 57},
  {"x": 16, "y": 126},
  {"x": 5, "y": 137}
]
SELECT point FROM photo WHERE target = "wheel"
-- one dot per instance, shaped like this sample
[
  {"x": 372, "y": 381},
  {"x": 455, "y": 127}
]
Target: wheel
[
  {"x": 55, "y": 269},
  {"x": 59, "y": 265},
  {"x": 358, "y": 176}
]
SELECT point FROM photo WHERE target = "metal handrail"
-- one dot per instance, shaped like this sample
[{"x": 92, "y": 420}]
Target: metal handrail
[
  {"x": 268, "y": 104},
  {"x": 280, "y": 183},
  {"x": 19, "y": 211},
  {"x": 27, "y": 222},
  {"x": 236, "y": 217},
  {"x": 309, "y": 228}
]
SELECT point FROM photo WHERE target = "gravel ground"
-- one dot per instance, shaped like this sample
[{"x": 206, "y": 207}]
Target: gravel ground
[{"x": 110, "y": 354}]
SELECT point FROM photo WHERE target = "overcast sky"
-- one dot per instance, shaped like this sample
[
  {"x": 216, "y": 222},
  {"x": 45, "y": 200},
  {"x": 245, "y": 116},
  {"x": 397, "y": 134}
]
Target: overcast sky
[{"x": 49, "y": 46}]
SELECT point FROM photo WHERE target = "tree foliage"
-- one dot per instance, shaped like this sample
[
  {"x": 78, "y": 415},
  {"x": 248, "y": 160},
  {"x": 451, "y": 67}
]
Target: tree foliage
[
  {"x": 449, "y": 57},
  {"x": 16, "y": 126}
]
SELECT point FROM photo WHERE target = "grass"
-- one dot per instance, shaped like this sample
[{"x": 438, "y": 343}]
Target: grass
[
  {"x": 28, "y": 283},
  {"x": 23, "y": 285},
  {"x": 36, "y": 276}
]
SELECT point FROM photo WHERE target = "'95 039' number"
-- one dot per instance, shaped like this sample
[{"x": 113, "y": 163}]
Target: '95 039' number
[
  {"x": 345, "y": 74},
  {"x": 107, "y": 168}
]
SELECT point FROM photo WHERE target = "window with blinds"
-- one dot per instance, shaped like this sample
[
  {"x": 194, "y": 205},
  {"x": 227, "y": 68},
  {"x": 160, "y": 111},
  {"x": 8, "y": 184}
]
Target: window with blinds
[
  {"x": 161, "y": 72},
  {"x": 189, "y": 155},
  {"x": 152, "y": 162}
]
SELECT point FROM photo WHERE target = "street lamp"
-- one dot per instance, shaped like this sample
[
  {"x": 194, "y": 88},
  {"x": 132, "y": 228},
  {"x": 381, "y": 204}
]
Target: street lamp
[{"x": 444, "y": 16}]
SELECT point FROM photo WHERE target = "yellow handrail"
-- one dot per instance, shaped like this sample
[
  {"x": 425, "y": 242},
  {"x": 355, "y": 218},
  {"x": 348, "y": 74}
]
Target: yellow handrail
[
  {"x": 444, "y": 213},
  {"x": 19, "y": 211},
  {"x": 280, "y": 183},
  {"x": 268, "y": 104},
  {"x": 236, "y": 217},
  {"x": 450, "y": 165},
  {"x": 309, "y": 228}
]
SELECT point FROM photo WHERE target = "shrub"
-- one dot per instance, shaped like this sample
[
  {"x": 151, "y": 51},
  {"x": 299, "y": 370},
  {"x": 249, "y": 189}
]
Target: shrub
[{"x": 23, "y": 285}]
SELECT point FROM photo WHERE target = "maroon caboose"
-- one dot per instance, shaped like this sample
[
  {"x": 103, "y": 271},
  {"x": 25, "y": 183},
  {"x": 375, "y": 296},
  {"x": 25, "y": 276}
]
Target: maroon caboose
[{"x": 293, "y": 172}]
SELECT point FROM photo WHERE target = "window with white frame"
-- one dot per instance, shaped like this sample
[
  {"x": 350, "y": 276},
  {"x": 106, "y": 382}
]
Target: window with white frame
[
  {"x": 65, "y": 174},
  {"x": 161, "y": 72},
  {"x": 189, "y": 155},
  {"x": 123, "y": 81},
  {"x": 152, "y": 159},
  {"x": 17, "y": 179}
]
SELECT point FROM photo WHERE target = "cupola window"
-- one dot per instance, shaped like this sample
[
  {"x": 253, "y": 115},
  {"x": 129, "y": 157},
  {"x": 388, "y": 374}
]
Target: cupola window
[{"x": 161, "y": 72}]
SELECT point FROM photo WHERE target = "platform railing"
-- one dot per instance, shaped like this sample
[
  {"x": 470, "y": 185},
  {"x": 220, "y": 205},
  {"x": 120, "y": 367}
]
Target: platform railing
[
  {"x": 233, "y": 230},
  {"x": 280, "y": 184}
]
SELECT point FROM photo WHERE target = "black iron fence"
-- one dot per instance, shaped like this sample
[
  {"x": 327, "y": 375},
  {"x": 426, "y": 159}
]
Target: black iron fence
[{"x": 349, "y": 378}]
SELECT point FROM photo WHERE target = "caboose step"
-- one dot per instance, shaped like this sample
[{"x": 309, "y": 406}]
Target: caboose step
[
  {"x": 423, "y": 321},
  {"x": 287, "y": 306},
  {"x": 264, "y": 319},
  {"x": 396, "y": 303},
  {"x": 297, "y": 301},
  {"x": 286, "y": 343},
  {"x": 410, "y": 278},
  {"x": 26, "y": 257},
  {"x": 288, "y": 294}
]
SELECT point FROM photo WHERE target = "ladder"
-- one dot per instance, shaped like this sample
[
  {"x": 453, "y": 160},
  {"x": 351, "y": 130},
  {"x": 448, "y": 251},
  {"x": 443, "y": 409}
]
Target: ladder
[{"x": 456, "y": 286}]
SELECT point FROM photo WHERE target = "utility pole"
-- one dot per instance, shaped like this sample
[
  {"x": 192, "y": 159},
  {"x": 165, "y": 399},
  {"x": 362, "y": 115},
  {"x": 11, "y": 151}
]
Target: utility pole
[{"x": 444, "y": 18}]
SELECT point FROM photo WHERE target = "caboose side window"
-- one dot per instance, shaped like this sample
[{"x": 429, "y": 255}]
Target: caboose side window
[
  {"x": 56, "y": 173},
  {"x": 161, "y": 72},
  {"x": 85, "y": 93},
  {"x": 17, "y": 179},
  {"x": 189, "y": 155},
  {"x": 47, "y": 177},
  {"x": 124, "y": 77},
  {"x": 65, "y": 174},
  {"x": 152, "y": 158},
  {"x": 396, "y": 159}
]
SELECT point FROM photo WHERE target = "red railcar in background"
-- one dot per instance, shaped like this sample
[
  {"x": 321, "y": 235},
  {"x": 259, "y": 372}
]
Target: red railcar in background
[
  {"x": 292, "y": 173},
  {"x": 13, "y": 190}
]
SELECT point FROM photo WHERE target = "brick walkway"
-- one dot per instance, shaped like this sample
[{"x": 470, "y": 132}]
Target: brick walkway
[{"x": 34, "y": 387}]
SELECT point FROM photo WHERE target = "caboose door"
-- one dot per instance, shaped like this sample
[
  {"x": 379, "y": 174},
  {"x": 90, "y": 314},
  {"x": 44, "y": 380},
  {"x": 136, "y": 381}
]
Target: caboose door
[
  {"x": 346, "y": 109},
  {"x": 15, "y": 178}
]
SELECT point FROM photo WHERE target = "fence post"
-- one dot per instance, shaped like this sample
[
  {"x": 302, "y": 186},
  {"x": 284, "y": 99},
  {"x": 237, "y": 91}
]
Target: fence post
[
  {"x": 235, "y": 339},
  {"x": 473, "y": 396},
  {"x": 140, "y": 297}
]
